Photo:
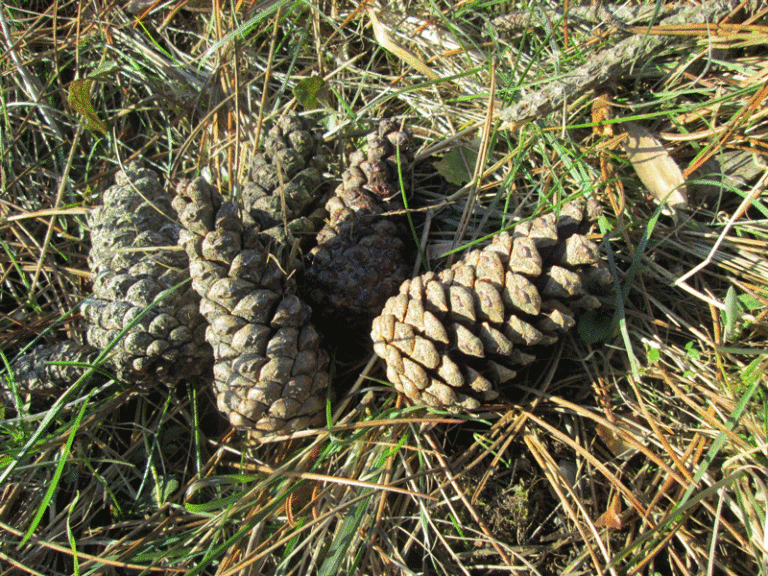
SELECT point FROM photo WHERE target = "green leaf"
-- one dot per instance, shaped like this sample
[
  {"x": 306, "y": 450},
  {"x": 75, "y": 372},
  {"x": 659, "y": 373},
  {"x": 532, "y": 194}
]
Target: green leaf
[
  {"x": 458, "y": 165},
  {"x": 162, "y": 492},
  {"x": 749, "y": 302},
  {"x": 105, "y": 71},
  {"x": 309, "y": 91},
  {"x": 80, "y": 100}
]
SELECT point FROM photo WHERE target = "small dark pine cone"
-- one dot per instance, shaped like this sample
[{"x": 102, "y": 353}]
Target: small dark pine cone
[
  {"x": 47, "y": 369},
  {"x": 359, "y": 260},
  {"x": 270, "y": 374},
  {"x": 284, "y": 182},
  {"x": 135, "y": 259},
  {"x": 451, "y": 340}
]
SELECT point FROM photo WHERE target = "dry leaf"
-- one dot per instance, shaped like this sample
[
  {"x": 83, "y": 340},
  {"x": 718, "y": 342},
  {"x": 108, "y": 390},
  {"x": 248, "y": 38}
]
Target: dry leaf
[
  {"x": 437, "y": 249},
  {"x": 602, "y": 112},
  {"x": 655, "y": 167},
  {"x": 137, "y": 7},
  {"x": 611, "y": 518},
  {"x": 616, "y": 444},
  {"x": 386, "y": 41}
]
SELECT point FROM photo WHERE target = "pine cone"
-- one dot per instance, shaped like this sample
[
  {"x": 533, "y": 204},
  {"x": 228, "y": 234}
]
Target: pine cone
[
  {"x": 359, "y": 260},
  {"x": 135, "y": 260},
  {"x": 42, "y": 370},
  {"x": 270, "y": 373},
  {"x": 284, "y": 182},
  {"x": 450, "y": 340}
]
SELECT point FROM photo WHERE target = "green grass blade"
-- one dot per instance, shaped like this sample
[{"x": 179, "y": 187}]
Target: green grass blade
[{"x": 57, "y": 474}]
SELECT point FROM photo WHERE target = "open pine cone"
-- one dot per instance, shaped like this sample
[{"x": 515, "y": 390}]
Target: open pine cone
[
  {"x": 270, "y": 374},
  {"x": 284, "y": 180},
  {"x": 359, "y": 260},
  {"x": 139, "y": 271},
  {"x": 451, "y": 340}
]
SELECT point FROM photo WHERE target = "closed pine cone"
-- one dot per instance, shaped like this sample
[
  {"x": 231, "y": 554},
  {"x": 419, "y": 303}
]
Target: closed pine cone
[
  {"x": 359, "y": 260},
  {"x": 284, "y": 182},
  {"x": 45, "y": 369},
  {"x": 138, "y": 270},
  {"x": 270, "y": 374},
  {"x": 450, "y": 340}
]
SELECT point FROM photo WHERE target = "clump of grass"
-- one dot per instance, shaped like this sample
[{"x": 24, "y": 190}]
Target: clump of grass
[{"x": 637, "y": 447}]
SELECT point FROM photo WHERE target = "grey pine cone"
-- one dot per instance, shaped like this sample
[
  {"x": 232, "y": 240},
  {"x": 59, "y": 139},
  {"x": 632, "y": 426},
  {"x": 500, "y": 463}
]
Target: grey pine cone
[
  {"x": 359, "y": 260},
  {"x": 451, "y": 340},
  {"x": 284, "y": 182},
  {"x": 138, "y": 270},
  {"x": 47, "y": 369},
  {"x": 270, "y": 374}
]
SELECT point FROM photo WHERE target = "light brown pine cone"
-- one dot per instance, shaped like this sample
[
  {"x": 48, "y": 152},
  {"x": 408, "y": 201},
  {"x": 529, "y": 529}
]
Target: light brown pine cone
[
  {"x": 270, "y": 374},
  {"x": 284, "y": 182},
  {"x": 359, "y": 260},
  {"x": 138, "y": 270},
  {"x": 451, "y": 340}
]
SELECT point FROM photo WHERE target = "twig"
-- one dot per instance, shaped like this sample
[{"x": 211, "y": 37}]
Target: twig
[
  {"x": 618, "y": 16},
  {"x": 603, "y": 67},
  {"x": 479, "y": 164}
]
